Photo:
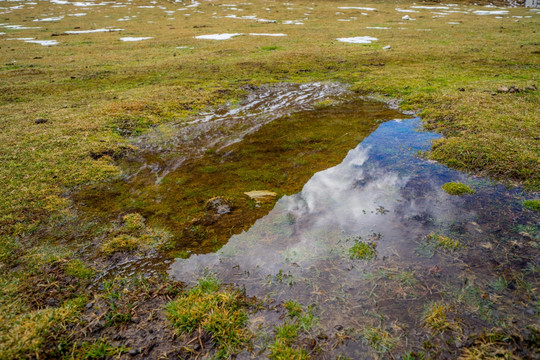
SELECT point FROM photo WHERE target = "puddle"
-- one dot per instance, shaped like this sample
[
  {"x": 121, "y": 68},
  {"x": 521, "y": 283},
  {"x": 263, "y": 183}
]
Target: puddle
[
  {"x": 385, "y": 195},
  {"x": 316, "y": 200}
]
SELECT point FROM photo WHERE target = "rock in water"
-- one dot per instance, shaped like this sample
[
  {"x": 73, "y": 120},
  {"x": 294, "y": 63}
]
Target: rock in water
[{"x": 261, "y": 195}]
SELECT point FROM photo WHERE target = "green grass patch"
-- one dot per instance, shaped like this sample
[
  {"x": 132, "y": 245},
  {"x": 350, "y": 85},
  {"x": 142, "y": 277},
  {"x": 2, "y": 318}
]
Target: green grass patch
[
  {"x": 532, "y": 205},
  {"x": 220, "y": 311}
]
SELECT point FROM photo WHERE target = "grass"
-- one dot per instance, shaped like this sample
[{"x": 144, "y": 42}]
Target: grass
[
  {"x": 300, "y": 321},
  {"x": 455, "y": 188},
  {"x": 433, "y": 242},
  {"x": 378, "y": 339},
  {"x": 533, "y": 205},
  {"x": 436, "y": 317},
  {"x": 221, "y": 312},
  {"x": 95, "y": 92}
]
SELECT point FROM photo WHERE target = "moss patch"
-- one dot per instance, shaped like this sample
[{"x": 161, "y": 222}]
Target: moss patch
[{"x": 455, "y": 188}]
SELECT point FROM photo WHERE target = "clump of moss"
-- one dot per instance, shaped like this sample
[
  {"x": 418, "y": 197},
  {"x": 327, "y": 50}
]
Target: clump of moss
[
  {"x": 134, "y": 234},
  {"x": 444, "y": 242},
  {"x": 456, "y": 188},
  {"x": 133, "y": 222},
  {"x": 76, "y": 268},
  {"x": 533, "y": 205},
  {"x": 121, "y": 242},
  {"x": 221, "y": 312},
  {"x": 363, "y": 250}
]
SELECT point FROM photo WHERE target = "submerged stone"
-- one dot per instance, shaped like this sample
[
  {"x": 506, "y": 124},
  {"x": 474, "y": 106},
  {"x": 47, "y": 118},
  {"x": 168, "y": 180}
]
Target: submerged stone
[{"x": 261, "y": 195}]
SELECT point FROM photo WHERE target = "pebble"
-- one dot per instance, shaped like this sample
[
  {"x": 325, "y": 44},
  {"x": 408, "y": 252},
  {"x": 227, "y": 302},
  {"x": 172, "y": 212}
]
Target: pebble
[
  {"x": 133, "y": 352},
  {"x": 41, "y": 121}
]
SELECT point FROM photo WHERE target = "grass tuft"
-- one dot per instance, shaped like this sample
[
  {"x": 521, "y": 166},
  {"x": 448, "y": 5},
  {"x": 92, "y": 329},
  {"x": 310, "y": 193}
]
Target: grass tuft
[
  {"x": 532, "y": 205},
  {"x": 210, "y": 307}
]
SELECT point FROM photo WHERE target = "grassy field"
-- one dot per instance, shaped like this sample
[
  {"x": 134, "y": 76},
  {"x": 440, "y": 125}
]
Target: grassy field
[{"x": 68, "y": 112}]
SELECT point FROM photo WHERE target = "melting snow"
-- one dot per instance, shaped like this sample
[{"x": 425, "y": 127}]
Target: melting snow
[
  {"x": 490, "y": 12},
  {"x": 58, "y": 18},
  {"x": 217, "y": 36},
  {"x": 358, "y": 40},
  {"x": 130, "y": 38},
  {"x": 356, "y": 8},
  {"x": 43, "y": 42},
  {"x": 256, "y": 34},
  {"x": 91, "y": 31}
]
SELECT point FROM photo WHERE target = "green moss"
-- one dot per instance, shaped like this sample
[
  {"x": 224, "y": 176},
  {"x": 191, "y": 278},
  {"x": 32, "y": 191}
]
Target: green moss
[
  {"x": 119, "y": 243},
  {"x": 133, "y": 222},
  {"x": 363, "y": 250},
  {"x": 532, "y": 205},
  {"x": 455, "y": 188},
  {"x": 76, "y": 268}
]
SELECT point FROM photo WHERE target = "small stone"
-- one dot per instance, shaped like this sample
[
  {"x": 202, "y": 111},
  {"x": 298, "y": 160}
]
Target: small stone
[
  {"x": 387, "y": 47},
  {"x": 134, "y": 352},
  {"x": 135, "y": 320},
  {"x": 531, "y": 88},
  {"x": 502, "y": 89},
  {"x": 41, "y": 121},
  {"x": 514, "y": 89},
  {"x": 261, "y": 195},
  {"x": 461, "y": 89}
]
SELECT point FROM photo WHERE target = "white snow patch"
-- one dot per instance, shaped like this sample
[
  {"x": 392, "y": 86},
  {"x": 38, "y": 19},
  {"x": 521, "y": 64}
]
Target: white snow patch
[
  {"x": 58, "y": 18},
  {"x": 292, "y": 22},
  {"x": 490, "y": 12},
  {"x": 430, "y": 7},
  {"x": 358, "y": 40},
  {"x": 91, "y": 31},
  {"x": 406, "y": 10},
  {"x": 356, "y": 8},
  {"x": 217, "y": 36},
  {"x": 131, "y": 38},
  {"x": 42, "y": 42},
  {"x": 257, "y": 34}
]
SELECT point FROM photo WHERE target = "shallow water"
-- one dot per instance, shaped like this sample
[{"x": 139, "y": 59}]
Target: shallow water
[
  {"x": 296, "y": 141},
  {"x": 383, "y": 193}
]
